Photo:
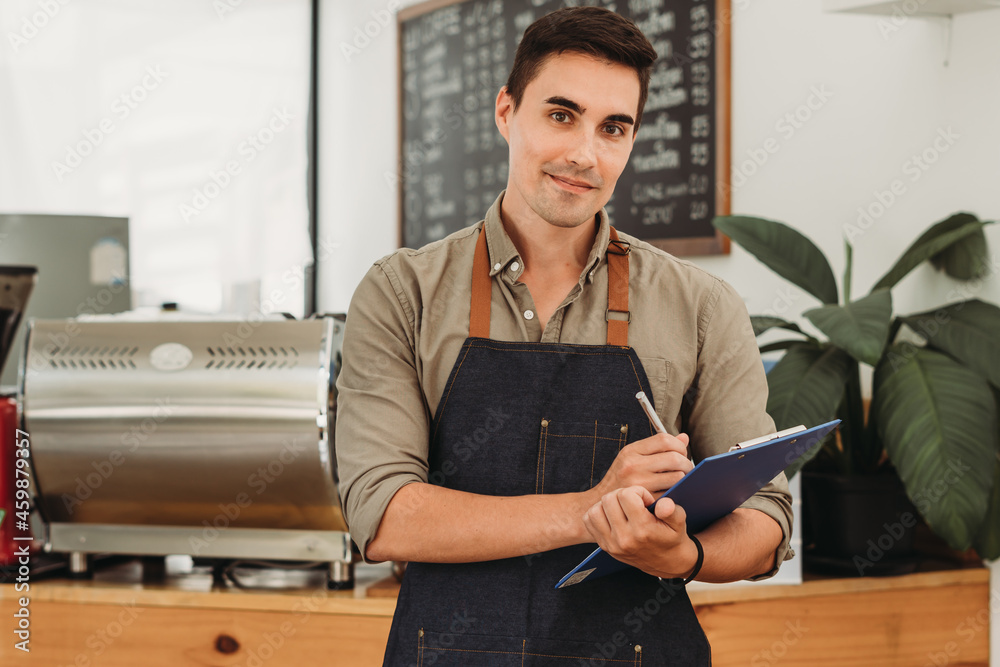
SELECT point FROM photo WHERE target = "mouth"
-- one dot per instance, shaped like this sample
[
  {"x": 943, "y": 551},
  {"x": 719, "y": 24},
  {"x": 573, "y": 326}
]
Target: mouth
[{"x": 571, "y": 185}]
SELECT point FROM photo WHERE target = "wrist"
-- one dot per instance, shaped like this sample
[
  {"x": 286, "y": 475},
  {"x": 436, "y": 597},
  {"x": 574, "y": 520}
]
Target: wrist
[
  {"x": 583, "y": 501},
  {"x": 698, "y": 562}
]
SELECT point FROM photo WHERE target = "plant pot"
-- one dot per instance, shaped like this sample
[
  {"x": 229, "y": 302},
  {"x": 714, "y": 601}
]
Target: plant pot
[{"x": 858, "y": 525}]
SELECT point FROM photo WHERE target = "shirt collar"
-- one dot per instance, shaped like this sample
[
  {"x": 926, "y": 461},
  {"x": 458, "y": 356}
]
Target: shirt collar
[{"x": 502, "y": 250}]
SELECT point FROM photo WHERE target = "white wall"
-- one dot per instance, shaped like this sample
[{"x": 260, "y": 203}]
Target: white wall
[
  {"x": 358, "y": 145},
  {"x": 890, "y": 94}
]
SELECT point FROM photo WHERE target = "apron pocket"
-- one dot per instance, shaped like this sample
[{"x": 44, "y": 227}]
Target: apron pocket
[
  {"x": 467, "y": 650},
  {"x": 573, "y": 456},
  {"x": 658, "y": 375}
]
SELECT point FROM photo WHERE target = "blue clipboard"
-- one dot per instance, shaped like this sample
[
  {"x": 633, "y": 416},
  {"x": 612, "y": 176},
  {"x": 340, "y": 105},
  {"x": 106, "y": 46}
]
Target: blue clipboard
[{"x": 718, "y": 485}]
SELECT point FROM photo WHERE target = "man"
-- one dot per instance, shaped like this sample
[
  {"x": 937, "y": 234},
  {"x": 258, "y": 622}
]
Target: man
[{"x": 488, "y": 431}]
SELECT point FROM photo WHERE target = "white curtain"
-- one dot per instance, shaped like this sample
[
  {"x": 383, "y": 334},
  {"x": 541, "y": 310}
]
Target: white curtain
[{"x": 188, "y": 117}]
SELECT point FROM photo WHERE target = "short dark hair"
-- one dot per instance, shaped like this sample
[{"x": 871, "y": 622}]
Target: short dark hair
[{"x": 595, "y": 31}]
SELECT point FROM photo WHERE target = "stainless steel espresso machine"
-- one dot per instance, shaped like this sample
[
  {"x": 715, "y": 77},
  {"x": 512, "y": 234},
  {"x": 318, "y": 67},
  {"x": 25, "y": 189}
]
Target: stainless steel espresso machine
[{"x": 207, "y": 438}]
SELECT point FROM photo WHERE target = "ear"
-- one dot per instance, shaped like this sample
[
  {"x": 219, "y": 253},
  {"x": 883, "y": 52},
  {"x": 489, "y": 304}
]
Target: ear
[{"x": 502, "y": 113}]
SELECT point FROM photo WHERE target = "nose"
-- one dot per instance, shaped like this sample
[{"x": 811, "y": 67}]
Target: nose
[{"x": 583, "y": 150}]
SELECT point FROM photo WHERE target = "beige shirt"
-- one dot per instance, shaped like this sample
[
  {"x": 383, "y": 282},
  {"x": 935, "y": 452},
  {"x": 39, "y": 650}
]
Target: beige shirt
[{"x": 410, "y": 315}]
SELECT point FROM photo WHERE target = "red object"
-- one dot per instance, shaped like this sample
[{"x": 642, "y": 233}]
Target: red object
[{"x": 8, "y": 455}]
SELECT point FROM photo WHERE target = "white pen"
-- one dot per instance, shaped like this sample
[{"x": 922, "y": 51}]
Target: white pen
[{"x": 648, "y": 407}]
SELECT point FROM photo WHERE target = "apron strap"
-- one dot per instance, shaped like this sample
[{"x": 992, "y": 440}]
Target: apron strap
[
  {"x": 618, "y": 291},
  {"x": 482, "y": 291}
]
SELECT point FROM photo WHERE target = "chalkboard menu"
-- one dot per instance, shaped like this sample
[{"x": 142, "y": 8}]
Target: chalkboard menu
[{"x": 456, "y": 55}]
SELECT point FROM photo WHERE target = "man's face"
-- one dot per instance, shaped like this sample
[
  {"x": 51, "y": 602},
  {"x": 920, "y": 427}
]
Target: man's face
[{"x": 569, "y": 138}]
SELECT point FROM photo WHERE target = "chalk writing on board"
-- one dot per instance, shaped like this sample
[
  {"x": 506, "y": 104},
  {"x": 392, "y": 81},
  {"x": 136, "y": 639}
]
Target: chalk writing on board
[{"x": 456, "y": 58}]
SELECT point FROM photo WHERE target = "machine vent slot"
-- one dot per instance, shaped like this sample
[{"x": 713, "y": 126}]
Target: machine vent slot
[
  {"x": 248, "y": 357},
  {"x": 95, "y": 358}
]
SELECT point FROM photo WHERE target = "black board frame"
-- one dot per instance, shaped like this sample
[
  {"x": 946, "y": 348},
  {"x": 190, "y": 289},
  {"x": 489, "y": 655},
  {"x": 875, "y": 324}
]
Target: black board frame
[{"x": 683, "y": 246}]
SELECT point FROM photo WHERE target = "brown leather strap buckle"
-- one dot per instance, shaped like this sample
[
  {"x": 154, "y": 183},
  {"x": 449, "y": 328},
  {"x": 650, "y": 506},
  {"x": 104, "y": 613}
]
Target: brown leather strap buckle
[
  {"x": 626, "y": 313},
  {"x": 619, "y": 247}
]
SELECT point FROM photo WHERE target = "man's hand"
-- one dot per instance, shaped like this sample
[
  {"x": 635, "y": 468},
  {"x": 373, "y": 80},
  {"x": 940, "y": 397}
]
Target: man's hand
[
  {"x": 656, "y": 543},
  {"x": 655, "y": 463}
]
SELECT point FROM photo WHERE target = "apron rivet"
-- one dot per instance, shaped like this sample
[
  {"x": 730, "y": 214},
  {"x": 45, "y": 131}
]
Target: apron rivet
[
  {"x": 545, "y": 423},
  {"x": 625, "y": 428},
  {"x": 638, "y": 649},
  {"x": 420, "y": 632}
]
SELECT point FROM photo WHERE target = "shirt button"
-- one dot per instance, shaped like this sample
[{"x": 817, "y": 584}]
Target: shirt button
[
  {"x": 528, "y": 315},
  {"x": 514, "y": 267},
  {"x": 496, "y": 267}
]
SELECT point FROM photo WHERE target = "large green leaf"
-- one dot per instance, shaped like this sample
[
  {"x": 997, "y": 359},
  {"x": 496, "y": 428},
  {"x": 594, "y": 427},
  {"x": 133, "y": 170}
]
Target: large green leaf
[
  {"x": 966, "y": 259},
  {"x": 938, "y": 422},
  {"x": 848, "y": 269},
  {"x": 987, "y": 543},
  {"x": 860, "y": 327},
  {"x": 762, "y": 323},
  {"x": 806, "y": 387},
  {"x": 783, "y": 250},
  {"x": 932, "y": 242},
  {"x": 782, "y": 345},
  {"x": 968, "y": 331}
]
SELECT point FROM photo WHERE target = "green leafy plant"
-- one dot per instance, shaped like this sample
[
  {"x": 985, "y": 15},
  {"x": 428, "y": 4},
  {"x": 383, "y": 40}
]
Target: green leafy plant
[{"x": 936, "y": 383}]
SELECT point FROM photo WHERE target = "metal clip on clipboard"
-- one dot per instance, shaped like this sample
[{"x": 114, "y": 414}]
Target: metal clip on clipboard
[{"x": 767, "y": 438}]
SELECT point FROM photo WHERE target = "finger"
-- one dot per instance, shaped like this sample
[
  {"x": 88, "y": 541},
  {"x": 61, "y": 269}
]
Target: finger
[
  {"x": 612, "y": 506},
  {"x": 645, "y": 495},
  {"x": 669, "y": 462},
  {"x": 664, "y": 508},
  {"x": 634, "y": 501},
  {"x": 671, "y": 514},
  {"x": 596, "y": 522},
  {"x": 661, "y": 442}
]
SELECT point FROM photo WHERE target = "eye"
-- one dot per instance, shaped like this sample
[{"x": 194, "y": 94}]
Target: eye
[
  {"x": 614, "y": 130},
  {"x": 559, "y": 116}
]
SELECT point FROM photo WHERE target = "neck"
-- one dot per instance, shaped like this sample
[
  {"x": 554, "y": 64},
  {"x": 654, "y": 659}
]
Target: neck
[{"x": 545, "y": 248}]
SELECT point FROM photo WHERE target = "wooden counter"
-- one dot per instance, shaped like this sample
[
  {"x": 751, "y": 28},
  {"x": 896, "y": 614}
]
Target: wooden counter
[{"x": 915, "y": 620}]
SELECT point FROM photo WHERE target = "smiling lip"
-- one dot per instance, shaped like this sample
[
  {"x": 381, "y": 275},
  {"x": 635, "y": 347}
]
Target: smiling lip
[{"x": 571, "y": 185}]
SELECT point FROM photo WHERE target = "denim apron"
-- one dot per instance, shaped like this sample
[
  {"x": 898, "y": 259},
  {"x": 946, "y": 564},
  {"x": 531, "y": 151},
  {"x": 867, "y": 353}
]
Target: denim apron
[{"x": 522, "y": 418}]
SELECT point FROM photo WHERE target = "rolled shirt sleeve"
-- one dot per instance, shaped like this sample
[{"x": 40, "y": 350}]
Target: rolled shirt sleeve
[
  {"x": 382, "y": 418},
  {"x": 726, "y": 404}
]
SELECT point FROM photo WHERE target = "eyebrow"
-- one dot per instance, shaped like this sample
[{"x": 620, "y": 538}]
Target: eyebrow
[{"x": 570, "y": 104}]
